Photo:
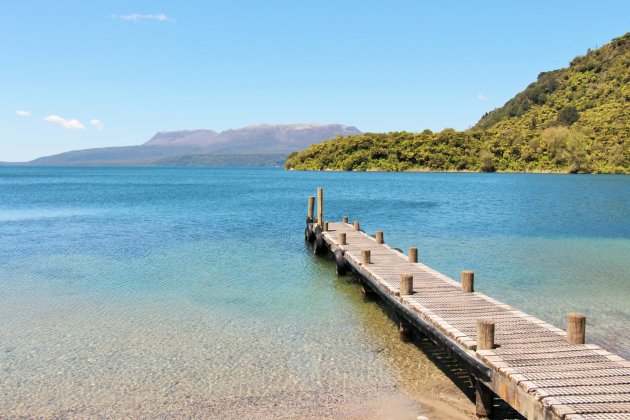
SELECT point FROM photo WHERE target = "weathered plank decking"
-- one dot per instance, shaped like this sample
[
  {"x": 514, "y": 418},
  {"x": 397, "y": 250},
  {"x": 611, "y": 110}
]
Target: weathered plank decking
[{"x": 532, "y": 367}]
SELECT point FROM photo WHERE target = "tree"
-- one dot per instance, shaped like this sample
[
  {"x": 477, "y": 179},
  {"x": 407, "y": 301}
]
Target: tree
[
  {"x": 576, "y": 146},
  {"x": 486, "y": 160},
  {"x": 568, "y": 115},
  {"x": 556, "y": 140}
]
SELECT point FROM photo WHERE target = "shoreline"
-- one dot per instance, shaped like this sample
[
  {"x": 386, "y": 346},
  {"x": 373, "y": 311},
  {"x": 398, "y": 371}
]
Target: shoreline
[
  {"x": 360, "y": 403},
  {"x": 372, "y": 170},
  {"x": 419, "y": 170}
]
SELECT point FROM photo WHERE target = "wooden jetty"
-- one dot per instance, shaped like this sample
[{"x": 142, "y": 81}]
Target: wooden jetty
[{"x": 542, "y": 371}]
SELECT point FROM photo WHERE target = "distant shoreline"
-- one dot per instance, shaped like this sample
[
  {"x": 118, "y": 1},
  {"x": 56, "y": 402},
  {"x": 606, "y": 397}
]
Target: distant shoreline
[
  {"x": 546, "y": 172},
  {"x": 417, "y": 170}
]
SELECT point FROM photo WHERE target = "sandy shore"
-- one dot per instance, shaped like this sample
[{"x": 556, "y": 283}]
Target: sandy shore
[{"x": 389, "y": 403}]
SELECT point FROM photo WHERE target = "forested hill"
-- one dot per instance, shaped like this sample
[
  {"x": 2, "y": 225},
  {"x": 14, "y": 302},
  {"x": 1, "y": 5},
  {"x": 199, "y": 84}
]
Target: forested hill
[{"x": 575, "y": 119}]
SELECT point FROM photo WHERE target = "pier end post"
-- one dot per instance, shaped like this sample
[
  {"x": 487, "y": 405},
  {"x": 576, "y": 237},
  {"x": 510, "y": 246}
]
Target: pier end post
[
  {"x": 311, "y": 207},
  {"x": 413, "y": 255},
  {"x": 576, "y": 328},
  {"x": 379, "y": 237},
  {"x": 356, "y": 225},
  {"x": 468, "y": 281},
  {"x": 320, "y": 205},
  {"x": 345, "y": 219}
]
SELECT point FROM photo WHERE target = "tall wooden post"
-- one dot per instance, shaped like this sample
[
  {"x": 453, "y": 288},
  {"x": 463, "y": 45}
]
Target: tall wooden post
[
  {"x": 320, "y": 205},
  {"x": 342, "y": 238},
  {"x": 356, "y": 225},
  {"x": 311, "y": 206},
  {"x": 345, "y": 219},
  {"x": 468, "y": 281},
  {"x": 365, "y": 256},
  {"x": 413, "y": 255},
  {"x": 379, "y": 236},
  {"x": 484, "y": 397},
  {"x": 576, "y": 328},
  {"x": 406, "y": 284}
]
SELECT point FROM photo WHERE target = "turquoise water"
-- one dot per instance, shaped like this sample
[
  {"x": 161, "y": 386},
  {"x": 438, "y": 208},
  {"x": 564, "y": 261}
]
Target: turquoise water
[{"x": 143, "y": 285}]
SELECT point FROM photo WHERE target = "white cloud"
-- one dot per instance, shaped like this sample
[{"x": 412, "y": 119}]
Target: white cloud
[
  {"x": 137, "y": 17},
  {"x": 65, "y": 123},
  {"x": 482, "y": 97},
  {"x": 23, "y": 113},
  {"x": 97, "y": 123}
]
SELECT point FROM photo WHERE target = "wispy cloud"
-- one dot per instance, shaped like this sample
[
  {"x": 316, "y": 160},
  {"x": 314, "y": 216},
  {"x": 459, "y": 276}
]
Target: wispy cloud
[
  {"x": 97, "y": 123},
  {"x": 70, "y": 124},
  {"x": 23, "y": 113},
  {"x": 482, "y": 97},
  {"x": 137, "y": 17}
]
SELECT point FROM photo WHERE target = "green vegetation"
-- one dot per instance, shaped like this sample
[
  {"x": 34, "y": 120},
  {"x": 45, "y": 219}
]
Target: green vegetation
[{"x": 573, "y": 120}]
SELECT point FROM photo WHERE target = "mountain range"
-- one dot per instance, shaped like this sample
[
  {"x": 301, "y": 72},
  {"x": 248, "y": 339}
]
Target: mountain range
[{"x": 256, "y": 145}]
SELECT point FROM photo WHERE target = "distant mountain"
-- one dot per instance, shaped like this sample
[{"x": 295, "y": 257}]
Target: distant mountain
[
  {"x": 270, "y": 140},
  {"x": 125, "y": 155},
  {"x": 255, "y": 138},
  {"x": 575, "y": 119},
  {"x": 197, "y": 137},
  {"x": 255, "y": 160}
]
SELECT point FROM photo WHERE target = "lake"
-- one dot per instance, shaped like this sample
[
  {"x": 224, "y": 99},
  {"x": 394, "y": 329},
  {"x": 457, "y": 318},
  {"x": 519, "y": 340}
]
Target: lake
[{"x": 124, "y": 288}]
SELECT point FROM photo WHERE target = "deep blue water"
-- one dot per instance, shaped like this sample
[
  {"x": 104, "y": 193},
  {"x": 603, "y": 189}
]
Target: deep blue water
[{"x": 118, "y": 275}]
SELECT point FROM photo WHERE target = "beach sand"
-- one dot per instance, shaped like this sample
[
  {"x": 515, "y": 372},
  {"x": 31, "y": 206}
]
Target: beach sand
[{"x": 440, "y": 403}]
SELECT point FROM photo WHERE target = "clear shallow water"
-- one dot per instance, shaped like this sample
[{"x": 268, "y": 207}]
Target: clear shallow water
[{"x": 139, "y": 286}]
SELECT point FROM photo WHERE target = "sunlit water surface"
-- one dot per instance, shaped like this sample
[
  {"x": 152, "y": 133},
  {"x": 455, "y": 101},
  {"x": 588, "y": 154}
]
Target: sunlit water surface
[{"x": 142, "y": 286}]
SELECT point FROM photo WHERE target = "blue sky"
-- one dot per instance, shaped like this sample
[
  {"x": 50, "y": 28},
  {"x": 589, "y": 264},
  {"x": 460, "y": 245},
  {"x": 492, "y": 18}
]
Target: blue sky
[{"x": 83, "y": 74}]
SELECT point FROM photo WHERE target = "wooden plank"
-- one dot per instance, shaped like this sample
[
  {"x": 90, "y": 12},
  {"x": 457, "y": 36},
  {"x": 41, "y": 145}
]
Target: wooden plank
[
  {"x": 599, "y": 408},
  {"x": 588, "y": 399},
  {"x": 573, "y": 367},
  {"x": 570, "y": 354},
  {"x": 600, "y": 373},
  {"x": 599, "y": 416},
  {"x": 609, "y": 380}
]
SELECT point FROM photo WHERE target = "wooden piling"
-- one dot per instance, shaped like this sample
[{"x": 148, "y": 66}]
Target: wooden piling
[
  {"x": 365, "y": 256},
  {"x": 311, "y": 206},
  {"x": 320, "y": 205},
  {"x": 356, "y": 225},
  {"x": 468, "y": 281},
  {"x": 345, "y": 219},
  {"x": 485, "y": 334},
  {"x": 325, "y": 227},
  {"x": 342, "y": 238},
  {"x": 405, "y": 331},
  {"x": 413, "y": 255},
  {"x": 379, "y": 236},
  {"x": 406, "y": 284},
  {"x": 576, "y": 328},
  {"x": 484, "y": 399}
]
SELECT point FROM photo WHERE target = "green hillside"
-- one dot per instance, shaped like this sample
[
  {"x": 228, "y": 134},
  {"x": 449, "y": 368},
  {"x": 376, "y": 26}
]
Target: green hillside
[{"x": 575, "y": 119}]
